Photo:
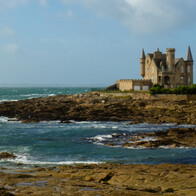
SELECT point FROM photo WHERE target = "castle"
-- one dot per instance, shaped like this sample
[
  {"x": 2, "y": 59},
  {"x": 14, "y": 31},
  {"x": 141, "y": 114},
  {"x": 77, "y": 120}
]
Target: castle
[{"x": 160, "y": 68}]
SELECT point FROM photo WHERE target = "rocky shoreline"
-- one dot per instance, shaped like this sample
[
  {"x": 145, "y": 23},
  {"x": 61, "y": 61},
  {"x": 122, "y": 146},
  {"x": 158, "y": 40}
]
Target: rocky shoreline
[
  {"x": 172, "y": 138},
  {"x": 95, "y": 106},
  {"x": 104, "y": 179}
]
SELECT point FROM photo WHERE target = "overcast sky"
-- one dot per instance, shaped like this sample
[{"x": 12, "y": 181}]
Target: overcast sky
[{"x": 88, "y": 42}]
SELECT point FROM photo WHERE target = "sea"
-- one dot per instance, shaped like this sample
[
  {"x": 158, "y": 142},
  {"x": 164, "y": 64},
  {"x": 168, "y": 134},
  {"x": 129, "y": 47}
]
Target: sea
[{"x": 53, "y": 143}]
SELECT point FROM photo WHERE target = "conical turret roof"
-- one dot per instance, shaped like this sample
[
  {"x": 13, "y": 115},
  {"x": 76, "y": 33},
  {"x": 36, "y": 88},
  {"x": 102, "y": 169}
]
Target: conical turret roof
[
  {"x": 189, "y": 55},
  {"x": 143, "y": 54}
]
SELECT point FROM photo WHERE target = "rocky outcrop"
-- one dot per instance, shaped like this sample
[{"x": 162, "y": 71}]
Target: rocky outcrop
[
  {"x": 172, "y": 138},
  {"x": 6, "y": 155},
  {"x": 93, "y": 107},
  {"x": 104, "y": 179}
]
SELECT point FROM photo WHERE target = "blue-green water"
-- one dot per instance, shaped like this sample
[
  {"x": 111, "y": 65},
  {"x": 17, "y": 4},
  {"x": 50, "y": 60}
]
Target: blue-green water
[
  {"x": 13, "y": 94},
  {"x": 53, "y": 143}
]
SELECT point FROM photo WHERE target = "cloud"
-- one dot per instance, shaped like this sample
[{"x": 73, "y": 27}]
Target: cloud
[
  {"x": 6, "y": 32},
  {"x": 8, "y": 4},
  {"x": 144, "y": 16},
  {"x": 11, "y": 48},
  {"x": 64, "y": 15},
  {"x": 43, "y": 2}
]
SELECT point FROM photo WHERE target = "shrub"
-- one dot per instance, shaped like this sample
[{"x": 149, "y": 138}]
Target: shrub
[
  {"x": 165, "y": 91},
  {"x": 154, "y": 90},
  {"x": 182, "y": 90},
  {"x": 192, "y": 89}
]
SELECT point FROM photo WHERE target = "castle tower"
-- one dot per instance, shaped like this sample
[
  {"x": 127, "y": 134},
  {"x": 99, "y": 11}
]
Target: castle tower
[
  {"x": 170, "y": 59},
  {"x": 157, "y": 54},
  {"x": 142, "y": 63},
  {"x": 189, "y": 67}
]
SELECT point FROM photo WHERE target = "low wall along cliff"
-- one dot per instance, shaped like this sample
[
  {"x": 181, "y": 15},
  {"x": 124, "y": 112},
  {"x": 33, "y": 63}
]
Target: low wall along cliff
[{"x": 152, "y": 97}]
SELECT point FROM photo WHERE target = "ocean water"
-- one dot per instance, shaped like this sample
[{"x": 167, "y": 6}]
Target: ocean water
[
  {"x": 53, "y": 143},
  {"x": 14, "y": 94}
]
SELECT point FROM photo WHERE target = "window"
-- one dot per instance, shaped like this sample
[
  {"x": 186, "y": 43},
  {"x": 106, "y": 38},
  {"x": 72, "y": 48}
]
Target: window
[
  {"x": 147, "y": 70},
  {"x": 152, "y": 78},
  {"x": 160, "y": 79},
  {"x": 188, "y": 69},
  {"x": 182, "y": 79},
  {"x": 145, "y": 88},
  {"x": 137, "y": 88},
  {"x": 152, "y": 69},
  {"x": 182, "y": 69},
  {"x": 189, "y": 78}
]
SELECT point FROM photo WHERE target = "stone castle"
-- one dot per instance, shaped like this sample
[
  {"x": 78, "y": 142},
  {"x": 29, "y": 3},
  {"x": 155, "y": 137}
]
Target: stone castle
[{"x": 160, "y": 68}]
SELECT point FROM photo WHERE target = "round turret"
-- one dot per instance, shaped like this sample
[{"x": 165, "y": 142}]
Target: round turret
[
  {"x": 170, "y": 60},
  {"x": 142, "y": 63}
]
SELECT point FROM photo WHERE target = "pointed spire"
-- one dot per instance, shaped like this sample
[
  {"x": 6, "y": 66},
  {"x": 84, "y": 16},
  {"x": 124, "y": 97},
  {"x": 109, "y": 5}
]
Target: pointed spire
[
  {"x": 189, "y": 55},
  {"x": 143, "y": 54}
]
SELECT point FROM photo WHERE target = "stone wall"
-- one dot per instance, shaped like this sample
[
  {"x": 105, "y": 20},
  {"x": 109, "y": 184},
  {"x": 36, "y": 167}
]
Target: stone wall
[
  {"x": 153, "y": 97},
  {"x": 127, "y": 84}
]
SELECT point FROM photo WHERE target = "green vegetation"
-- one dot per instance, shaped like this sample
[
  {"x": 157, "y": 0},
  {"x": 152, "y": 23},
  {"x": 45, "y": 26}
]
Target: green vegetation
[{"x": 181, "y": 90}]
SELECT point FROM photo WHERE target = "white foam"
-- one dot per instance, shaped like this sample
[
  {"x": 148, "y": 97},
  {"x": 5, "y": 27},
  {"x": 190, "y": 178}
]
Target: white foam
[
  {"x": 23, "y": 159},
  {"x": 28, "y": 95},
  {"x": 101, "y": 137},
  {"x": 50, "y": 95},
  {"x": 6, "y": 119},
  {"x": 146, "y": 139},
  {"x": 131, "y": 147},
  {"x": 6, "y": 100},
  {"x": 98, "y": 143},
  {"x": 169, "y": 147}
]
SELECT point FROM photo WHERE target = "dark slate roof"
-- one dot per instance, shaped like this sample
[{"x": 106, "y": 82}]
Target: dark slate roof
[
  {"x": 151, "y": 55},
  {"x": 143, "y": 54},
  {"x": 177, "y": 60},
  {"x": 189, "y": 55}
]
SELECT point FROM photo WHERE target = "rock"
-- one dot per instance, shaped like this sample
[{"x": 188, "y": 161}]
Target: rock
[
  {"x": 169, "y": 190},
  {"x": 172, "y": 138},
  {"x": 103, "y": 179},
  {"x": 4, "y": 192},
  {"x": 6, "y": 155},
  {"x": 92, "y": 106}
]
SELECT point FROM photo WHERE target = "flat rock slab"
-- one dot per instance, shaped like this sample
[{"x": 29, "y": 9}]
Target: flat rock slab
[{"x": 103, "y": 179}]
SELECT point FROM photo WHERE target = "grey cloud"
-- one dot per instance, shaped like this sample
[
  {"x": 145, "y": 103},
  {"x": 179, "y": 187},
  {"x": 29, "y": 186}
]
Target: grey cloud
[{"x": 144, "y": 16}]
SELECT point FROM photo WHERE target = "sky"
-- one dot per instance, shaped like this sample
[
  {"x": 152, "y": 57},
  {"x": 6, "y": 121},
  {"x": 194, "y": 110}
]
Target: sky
[{"x": 88, "y": 42}]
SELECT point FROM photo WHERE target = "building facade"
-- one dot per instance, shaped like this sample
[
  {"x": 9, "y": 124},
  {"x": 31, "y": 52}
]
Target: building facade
[
  {"x": 160, "y": 68},
  {"x": 167, "y": 70}
]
